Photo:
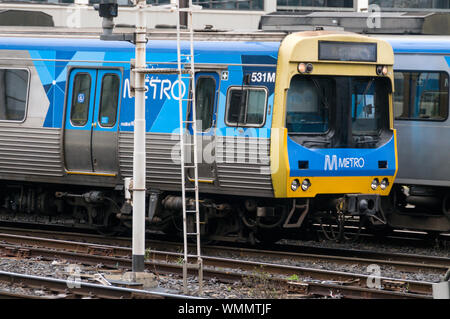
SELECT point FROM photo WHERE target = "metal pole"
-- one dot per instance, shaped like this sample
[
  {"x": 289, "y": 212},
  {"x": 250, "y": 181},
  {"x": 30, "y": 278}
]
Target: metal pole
[{"x": 139, "y": 146}]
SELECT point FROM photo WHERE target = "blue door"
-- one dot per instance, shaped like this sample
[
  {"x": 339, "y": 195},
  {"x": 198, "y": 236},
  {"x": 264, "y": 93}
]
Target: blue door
[{"x": 91, "y": 121}]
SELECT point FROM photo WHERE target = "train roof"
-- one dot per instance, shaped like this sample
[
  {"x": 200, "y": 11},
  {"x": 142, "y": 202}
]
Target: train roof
[
  {"x": 252, "y": 42},
  {"x": 62, "y": 44},
  {"x": 154, "y": 34},
  {"x": 418, "y": 43}
]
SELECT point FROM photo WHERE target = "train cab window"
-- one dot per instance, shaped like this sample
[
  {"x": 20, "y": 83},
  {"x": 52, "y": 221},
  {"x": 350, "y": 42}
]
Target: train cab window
[
  {"x": 109, "y": 100},
  {"x": 368, "y": 95},
  {"x": 205, "y": 93},
  {"x": 80, "y": 99},
  {"x": 421, "y": 95},
  {"x": 307, "y": 104},
  {"x": 246, "y": 106},
  {"x": 13, "y": 94}
]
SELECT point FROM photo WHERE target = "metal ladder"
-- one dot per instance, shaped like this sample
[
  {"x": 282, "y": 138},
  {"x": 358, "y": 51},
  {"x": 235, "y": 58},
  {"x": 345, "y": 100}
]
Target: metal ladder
[{"x": 191, "y": 209}]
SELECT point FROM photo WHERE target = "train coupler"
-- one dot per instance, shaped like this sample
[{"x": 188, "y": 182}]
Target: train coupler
[{"x": 362, "y": 204}]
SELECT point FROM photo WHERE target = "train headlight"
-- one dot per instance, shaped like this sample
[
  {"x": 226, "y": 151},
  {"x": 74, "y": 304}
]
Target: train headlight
[
  {"x": 382, "y": 70},
  {"x": 305, "y": 185},
  {"x": 374, "y": 184},
  {"x": 384, "y": 183},
  {"x": 295, "y": 184},
  {"x": 305, "y": 67}
]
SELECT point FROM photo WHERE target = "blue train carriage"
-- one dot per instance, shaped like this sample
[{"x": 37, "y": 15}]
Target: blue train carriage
[{"x": 287, "y": 130}]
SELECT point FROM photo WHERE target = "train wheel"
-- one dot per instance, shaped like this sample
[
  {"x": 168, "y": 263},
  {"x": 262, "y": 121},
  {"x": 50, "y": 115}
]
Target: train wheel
[{"x": 110, "y": 226}]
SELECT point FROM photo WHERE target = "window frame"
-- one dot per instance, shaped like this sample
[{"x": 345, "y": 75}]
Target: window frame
[
  {"x": 246, "y": 87},
  {"x": 214, "y": 109},
  {"x": 101, "y": 98},
  {"x": 27, "y": 94},
  {"x": 423, "y": 119},
  {"x": 73, "y": 96}
]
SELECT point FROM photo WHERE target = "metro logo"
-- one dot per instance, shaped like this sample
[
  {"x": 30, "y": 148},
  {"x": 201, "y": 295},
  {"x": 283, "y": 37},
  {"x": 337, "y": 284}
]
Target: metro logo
[{"x": 335, "y": 163}]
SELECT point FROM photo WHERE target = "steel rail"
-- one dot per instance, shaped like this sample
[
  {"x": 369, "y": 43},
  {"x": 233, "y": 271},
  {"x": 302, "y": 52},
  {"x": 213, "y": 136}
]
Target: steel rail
[
  {"x": 85, "y": 289},
  {"x": 219, "y": 268},
  {"x": 403, "y": 262}
]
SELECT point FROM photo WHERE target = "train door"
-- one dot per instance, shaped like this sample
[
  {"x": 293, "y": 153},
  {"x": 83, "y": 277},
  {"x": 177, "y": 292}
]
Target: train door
[
  {"x": 91, "y": 121},
  {"x": 206, "y": 94}
]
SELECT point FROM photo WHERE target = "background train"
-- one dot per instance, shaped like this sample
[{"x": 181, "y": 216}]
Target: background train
[
  {"x": 283, "y": 121},
  {"x": 421, "y": 197}
]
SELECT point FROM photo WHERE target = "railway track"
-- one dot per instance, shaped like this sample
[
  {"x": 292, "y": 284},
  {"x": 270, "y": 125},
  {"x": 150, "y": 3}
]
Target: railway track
[
  {"x": 322, "y": 282},
  {"x": 120, "y": 246},
  {"x": 78, "y": 289}
]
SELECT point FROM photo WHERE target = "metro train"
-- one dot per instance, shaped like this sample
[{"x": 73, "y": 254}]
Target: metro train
[{"x": 293, "y": 130}]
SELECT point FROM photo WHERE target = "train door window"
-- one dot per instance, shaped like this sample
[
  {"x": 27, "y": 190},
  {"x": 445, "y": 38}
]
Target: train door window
[
  {"x": 421, "y": 95},
  {"x": 109, "y": 99},
  {"x": 13, "y": 94},
  {"x": 205, "y": 93},
  {"x": 246, "y": 106},
  {"x": 81, "y": 99}
]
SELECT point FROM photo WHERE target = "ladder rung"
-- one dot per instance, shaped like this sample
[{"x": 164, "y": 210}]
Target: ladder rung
[
  {"x": 192, "y": 266},
  {"x": 190, "y": 189},
  {"x": 190, "y": 166},
  {"x": 191, "y": 234},
  {"x": 192, "y": 255},
  {"x": 191, "y": 211}
]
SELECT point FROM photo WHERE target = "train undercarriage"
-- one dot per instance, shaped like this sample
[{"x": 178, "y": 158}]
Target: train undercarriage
[{"x": 239, "y": 219}]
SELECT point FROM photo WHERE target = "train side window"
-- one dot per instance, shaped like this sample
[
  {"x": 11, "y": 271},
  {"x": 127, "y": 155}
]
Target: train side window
[
  {"x": 13, "y": 94},
  {"x": 246, "y": 106},
  {"x": 205, "y": 93},
  {"x": 80, "y": 99},
  {"x": 109, "y": 100},
  {"x": 421, "y": 95}
]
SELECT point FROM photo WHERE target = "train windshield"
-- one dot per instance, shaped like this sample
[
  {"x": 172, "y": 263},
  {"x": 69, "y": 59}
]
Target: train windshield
[{"x": 337, "y": 111}]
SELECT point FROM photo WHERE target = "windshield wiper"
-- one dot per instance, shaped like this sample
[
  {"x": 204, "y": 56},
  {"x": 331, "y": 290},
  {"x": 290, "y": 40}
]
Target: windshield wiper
[
  {"x": 323, "y": 100},
  {"x": 312, "y": 142},
  {"x": 365, "y": 139}
]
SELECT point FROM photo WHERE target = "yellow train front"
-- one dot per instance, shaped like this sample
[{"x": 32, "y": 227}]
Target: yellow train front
[{"x": 333, "y": 146}]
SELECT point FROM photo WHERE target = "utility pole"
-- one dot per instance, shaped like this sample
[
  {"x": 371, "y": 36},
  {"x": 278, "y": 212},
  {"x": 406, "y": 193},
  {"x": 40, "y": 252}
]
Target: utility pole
[
  {"x": 138, "y": 257},
  {"x": 108, "y": 10}
]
